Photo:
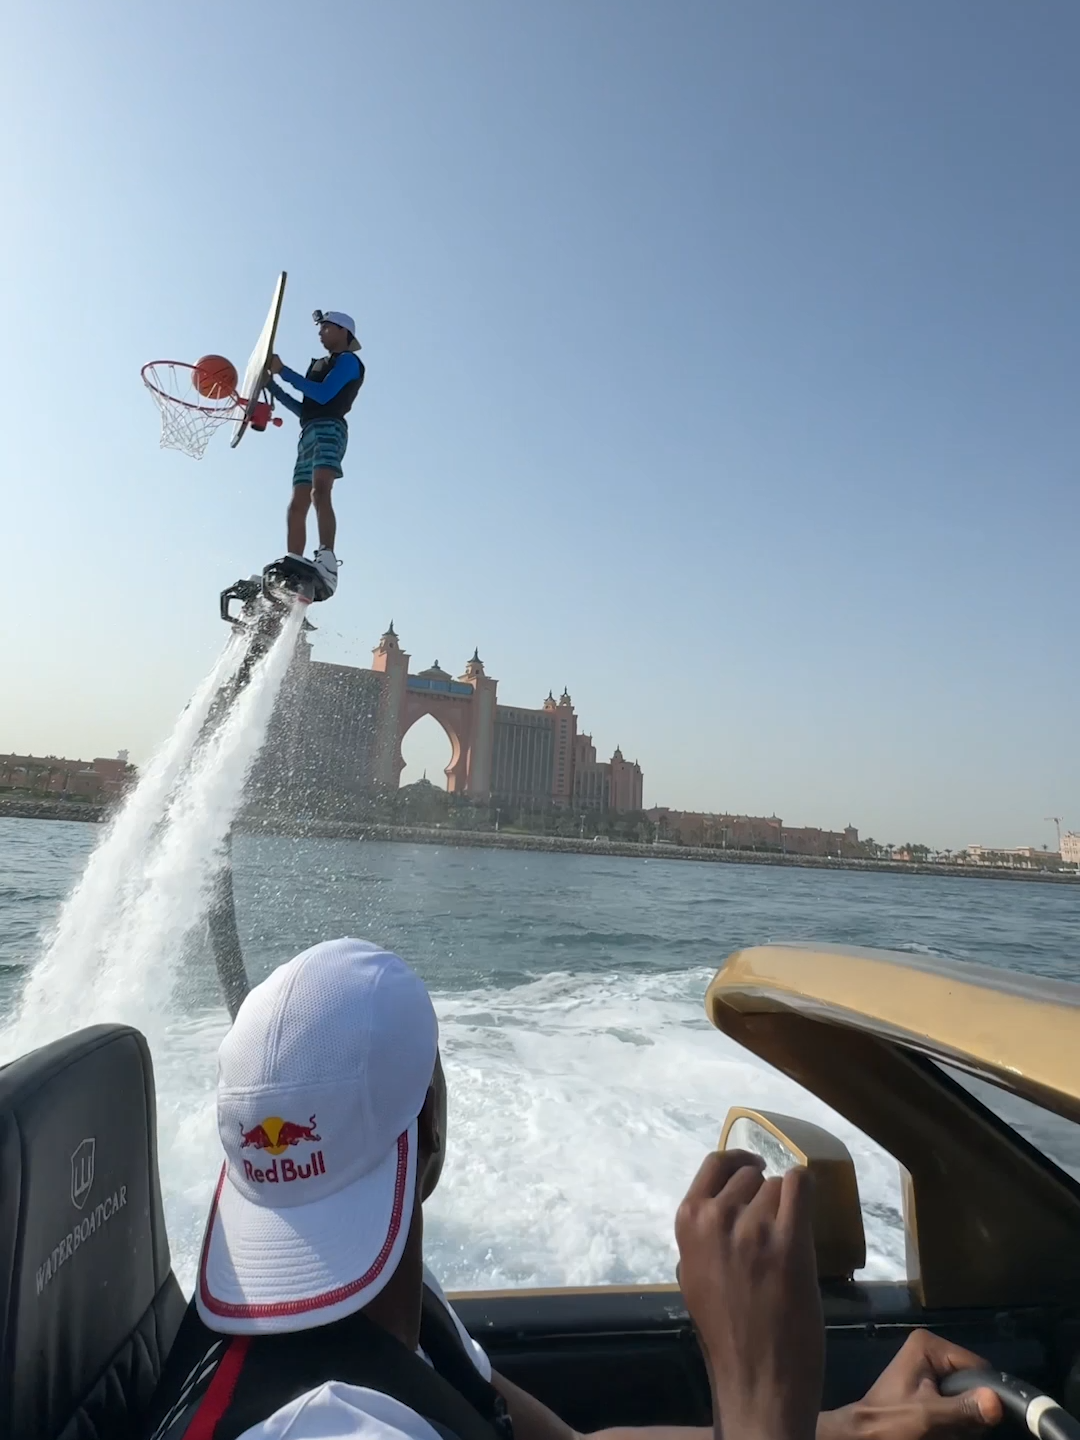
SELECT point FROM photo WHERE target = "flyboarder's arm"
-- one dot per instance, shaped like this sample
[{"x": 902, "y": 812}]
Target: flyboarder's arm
[
  {"x": 346, "y": 369},
  {"x": 289, "y": 401}
]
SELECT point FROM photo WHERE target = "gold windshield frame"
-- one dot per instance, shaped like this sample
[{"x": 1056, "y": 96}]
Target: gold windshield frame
[{"x": 988, "y": 1219}]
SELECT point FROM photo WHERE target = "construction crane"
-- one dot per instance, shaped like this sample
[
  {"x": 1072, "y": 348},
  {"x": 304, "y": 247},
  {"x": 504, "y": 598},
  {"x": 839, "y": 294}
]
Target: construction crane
[{"x": 1057, "y": 821}]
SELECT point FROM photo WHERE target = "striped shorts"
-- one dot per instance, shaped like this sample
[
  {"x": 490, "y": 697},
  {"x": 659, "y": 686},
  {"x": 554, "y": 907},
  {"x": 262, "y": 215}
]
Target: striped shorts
[{"x": 322, "y": 447}]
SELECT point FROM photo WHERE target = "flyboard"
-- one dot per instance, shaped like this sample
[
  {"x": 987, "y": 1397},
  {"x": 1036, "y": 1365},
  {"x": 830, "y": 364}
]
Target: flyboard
[{"x": 194, "y": 402}]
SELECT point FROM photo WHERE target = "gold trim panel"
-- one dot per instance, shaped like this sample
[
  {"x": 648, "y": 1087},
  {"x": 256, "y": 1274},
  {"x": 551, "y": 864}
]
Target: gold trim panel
[{"x": 1019, "y": 1031}]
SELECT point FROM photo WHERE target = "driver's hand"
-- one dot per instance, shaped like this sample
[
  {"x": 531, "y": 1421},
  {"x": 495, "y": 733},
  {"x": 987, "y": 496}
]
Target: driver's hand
[
  {"x": 904, "y": 1403},
  {"x": 274, "y": 365},
  {"x": 748, "y": 1274}
]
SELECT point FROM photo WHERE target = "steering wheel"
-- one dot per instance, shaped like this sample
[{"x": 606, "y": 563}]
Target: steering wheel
[{"x": 1028, "y": 1407}]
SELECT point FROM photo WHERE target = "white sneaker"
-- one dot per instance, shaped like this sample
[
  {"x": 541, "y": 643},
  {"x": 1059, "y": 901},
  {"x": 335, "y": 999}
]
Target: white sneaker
[{"x": 327, "y": 566}]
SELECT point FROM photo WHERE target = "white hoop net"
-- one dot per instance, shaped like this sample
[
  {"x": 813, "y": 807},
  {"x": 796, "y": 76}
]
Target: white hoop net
[{"x": 188, "y": 419}]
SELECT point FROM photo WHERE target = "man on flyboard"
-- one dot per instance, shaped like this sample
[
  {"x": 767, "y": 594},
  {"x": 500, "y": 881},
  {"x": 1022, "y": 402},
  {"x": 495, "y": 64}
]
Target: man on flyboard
[{"x": 328, "y": 388}]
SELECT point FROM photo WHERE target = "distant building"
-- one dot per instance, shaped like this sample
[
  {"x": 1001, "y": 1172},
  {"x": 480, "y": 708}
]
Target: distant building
[
  {"x": 614, "y": 784},
  {"x": 339, "y": 730},
  {"x": 592, "y": 780},
  {"x": 626, "y": 783},
  {"x": 727, "y": 832},
  {"x": 808, "y": 840},
  {"x": 319, "y": 757},
  {"x": 533, "y": 752},
  {"x": 62, "y": 779},
  {"x": 523, "y": 755},
  {"x": 750, "y": 832},
  {"x": 1070, "y": 847},
  {"x": 990, "y": 854}
]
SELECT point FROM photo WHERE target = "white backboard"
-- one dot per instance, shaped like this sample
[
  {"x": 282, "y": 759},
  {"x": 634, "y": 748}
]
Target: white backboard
[{"x": 255, "y": 376}]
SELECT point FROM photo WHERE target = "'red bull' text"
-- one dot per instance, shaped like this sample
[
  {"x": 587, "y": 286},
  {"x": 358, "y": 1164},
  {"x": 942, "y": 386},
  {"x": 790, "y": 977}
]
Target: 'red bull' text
[{"x": 282, "y": 1171}]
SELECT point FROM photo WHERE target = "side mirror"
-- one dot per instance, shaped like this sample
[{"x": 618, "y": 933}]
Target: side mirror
[{"x": 784, "y": 1142}]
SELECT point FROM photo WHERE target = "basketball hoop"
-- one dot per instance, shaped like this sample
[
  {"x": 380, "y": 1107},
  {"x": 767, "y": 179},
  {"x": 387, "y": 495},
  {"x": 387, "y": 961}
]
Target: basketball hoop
[
  {"x": 195, "y": 400},
  {"x": 188, "y": 418}
]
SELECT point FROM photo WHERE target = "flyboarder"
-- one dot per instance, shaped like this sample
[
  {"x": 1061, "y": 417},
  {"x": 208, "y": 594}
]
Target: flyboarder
[{"x": 329, "y": 388}]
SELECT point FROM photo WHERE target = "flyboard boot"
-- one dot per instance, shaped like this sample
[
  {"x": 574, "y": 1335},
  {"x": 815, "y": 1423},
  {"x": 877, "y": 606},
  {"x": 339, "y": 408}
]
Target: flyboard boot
[
  {"x": 307, "y": 580},
  {"x": 264, "y": 604}
]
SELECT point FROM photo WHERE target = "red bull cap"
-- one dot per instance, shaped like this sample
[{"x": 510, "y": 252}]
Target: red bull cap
[{"x": 320, "y": 1083}]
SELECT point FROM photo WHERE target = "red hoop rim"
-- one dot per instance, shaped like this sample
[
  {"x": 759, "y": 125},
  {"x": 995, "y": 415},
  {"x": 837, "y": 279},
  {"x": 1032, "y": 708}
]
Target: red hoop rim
[{"x": 226, "y": 404}]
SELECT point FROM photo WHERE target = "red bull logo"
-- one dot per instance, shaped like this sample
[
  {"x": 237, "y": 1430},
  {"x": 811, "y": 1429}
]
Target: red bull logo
[{"x": 275, "y": 1136}]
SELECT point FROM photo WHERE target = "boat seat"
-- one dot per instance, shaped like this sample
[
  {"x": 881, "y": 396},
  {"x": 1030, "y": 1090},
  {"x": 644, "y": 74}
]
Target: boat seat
[{"x": 89, "y": 1305}]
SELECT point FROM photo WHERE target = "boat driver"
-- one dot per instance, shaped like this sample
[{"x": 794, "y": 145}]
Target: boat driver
[{"x": 323, "y": 1319}]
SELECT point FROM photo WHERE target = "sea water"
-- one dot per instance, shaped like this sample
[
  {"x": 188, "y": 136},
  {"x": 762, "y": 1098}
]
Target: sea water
[{"x": 585, "y": 1083}]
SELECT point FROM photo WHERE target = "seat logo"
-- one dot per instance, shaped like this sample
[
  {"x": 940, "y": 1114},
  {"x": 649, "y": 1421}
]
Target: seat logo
[{"x": 82, "y": 1173}]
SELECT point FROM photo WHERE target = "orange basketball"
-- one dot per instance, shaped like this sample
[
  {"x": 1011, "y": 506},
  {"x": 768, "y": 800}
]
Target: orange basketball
[{"x": 214, "y": 377}]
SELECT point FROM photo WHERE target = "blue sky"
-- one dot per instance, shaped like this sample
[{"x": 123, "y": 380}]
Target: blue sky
[{"x": 722, "y": 366}]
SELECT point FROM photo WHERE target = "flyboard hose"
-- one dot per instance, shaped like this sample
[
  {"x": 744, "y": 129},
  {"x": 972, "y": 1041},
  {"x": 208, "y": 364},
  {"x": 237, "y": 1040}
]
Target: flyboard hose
[
  {"x": 225, "y": 938},
  {"x": 262, "y": 622},
  {"x": 1024, "y": 1403}
]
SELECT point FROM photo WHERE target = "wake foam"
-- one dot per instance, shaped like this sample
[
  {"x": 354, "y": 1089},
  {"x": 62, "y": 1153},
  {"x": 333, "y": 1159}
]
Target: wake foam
[{"x": 579, "y": 1109}]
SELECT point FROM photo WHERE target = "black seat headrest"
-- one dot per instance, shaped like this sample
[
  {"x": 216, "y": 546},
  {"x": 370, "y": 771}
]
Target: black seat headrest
[{"x": 88, "y": 1302}]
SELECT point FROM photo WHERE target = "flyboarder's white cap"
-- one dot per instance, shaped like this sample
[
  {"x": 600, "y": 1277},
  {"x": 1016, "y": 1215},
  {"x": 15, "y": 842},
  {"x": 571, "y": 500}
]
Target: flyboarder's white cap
[
  {"x": 338, "y": 317},
  {"x": 320, "y": 1083}
]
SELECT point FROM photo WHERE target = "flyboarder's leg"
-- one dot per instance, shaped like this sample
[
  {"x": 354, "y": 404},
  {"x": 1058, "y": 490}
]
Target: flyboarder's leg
[
  {"x": 318, "y": 465},
  {"x": 325, "y": 559},
  {"x": 296, "y": 518},
  {"x": 300, "y": 504},
  {"x": 324, "y": 509},
  {"x": 329, "y": 451}
]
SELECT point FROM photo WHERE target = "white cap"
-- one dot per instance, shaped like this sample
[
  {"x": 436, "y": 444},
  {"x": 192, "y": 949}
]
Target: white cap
[
  {"x": 338, "y": 317},
  {"x": 320, "y": 1082}
]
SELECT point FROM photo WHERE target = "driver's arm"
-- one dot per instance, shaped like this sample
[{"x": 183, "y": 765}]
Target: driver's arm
[
  {"x": 534, "y": 1421},
  {"x": 903, "y": 1404}
]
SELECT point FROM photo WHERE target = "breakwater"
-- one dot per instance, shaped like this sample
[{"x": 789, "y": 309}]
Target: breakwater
[
  {"x": 506, "y": 840},
  {"x": 26, "y": 809}
]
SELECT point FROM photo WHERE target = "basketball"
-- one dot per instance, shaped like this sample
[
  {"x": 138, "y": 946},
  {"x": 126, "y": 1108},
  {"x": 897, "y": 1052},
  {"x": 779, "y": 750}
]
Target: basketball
[{"x": 214, "y": 377}]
